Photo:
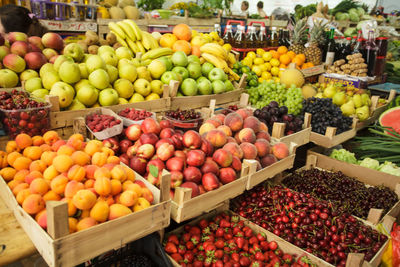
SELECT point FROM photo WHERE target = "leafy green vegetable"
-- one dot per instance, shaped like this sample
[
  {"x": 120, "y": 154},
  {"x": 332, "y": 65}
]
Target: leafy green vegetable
[
  {"x": 354, "y": 17},
  {"x": 360, "y": 11},
  {"x": 349, "y": 32},
  {"x": 344, "y": 155},
  {"x": 390, "y": 168},
  {"x": 370, "y": 163},
  {"x": 344, "y": 6}
]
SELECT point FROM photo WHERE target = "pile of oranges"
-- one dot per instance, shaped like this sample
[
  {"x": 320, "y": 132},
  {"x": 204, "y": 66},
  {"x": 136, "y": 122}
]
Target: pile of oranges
[{"x": 269, "y": 64}]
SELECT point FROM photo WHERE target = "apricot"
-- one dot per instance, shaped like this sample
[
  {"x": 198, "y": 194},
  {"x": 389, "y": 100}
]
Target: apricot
[
  {"x": 33, "y": 204},
  {"x": 19, "y": 188},
  {"x": 76, "y": 173},
  {"x": 58, "y": 184},
  {"x": 80, "y": 158},
  {"x": 119, "y": 173},
  {"x": 130, "y": 174},
  {"x": 71, "y": 207},
  {"x": 38, "y": 165},
  {"x": 23, "y": 140},
  {"x": 84, "y": 214},
  {"x": 32, "y": 152},
  {"x": 50, "y": 173},
  {"x": 22, "y": 195},
  {"x": 92, "y": 147},
  {"x": 113, "y": 160},
  {"x": 32, "y": 176},
  {"x": 225, "y": 129},
  {"x": 37, "y": 140},
  {"x": 72, "y": 223},
  {"x": 11, "y": 157},
  {"x": 247, "y": 135},
  {"x": 116, "y": 187},
  {"x": 109, "y": 166},
  {"x": 108, "y": 151},
  {"x": 90, "y": 170},
  {"x": 102, "y": 172},
  {"x": 134, "y": 187},
  {"x": 3, "y": 159},
  {"x": 48, "y": 156},
  {"x": 12, "y": 146},
  {"x": 128, "y": 198},
  {"x": 84, "y": 199},
  {"x": 249, "y": 150},
  {"x": 102, "y": 186},
  {"x": 99, "y": 159},
  {"x": 50, "y": 137},
  {"x": 21, "y": 163},
  {"x": 234, "y": 149},
  {"x": 65, "y": 150},
  {"x": 20, "y": 175},
  {"x": 8, "y": 173},
  {"x": 76, "y": 141},
  {"x": 41, "y": 219},
  {"x": 141, "y": 204},
  {"x": 85, "y": 223},
  {"x": 45, "y": 147},
  {"x": 118, "y": 210},
  {"x": 100, "y": 211},
  {"x": 51, "y": 195},
  {"x": 39, "y": 186},
  {"x": 13, "y": 183},
  {"x": 234, "y": 121},
  {"x": 89, "y": 183},
  {"x": 72, "y": 188},
  {"x": 57, "y": 145},
  {"x": 62, "y": 163}
]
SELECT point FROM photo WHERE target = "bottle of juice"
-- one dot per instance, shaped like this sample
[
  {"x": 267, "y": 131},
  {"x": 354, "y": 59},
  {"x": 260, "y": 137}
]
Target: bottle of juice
[
  {"x": 274, "y": 41},
  {"x": 262, "y": 38},
  {"x": 369, "y": 52},
  {"x": 228, "y": 36}
]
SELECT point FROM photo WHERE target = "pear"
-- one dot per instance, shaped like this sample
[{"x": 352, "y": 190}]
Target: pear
[
  {"x": 319, "y": 95},
  {"x": 339, "y": 98},
  {"x": 143, "y": 73},
  {"x": 365, "y": 99},
  {"x": 362, "y": 113},
  {"x": 329, "y": 91},
  {"x": 348, "y": 108},
  {"x": 357, "y": 101}
]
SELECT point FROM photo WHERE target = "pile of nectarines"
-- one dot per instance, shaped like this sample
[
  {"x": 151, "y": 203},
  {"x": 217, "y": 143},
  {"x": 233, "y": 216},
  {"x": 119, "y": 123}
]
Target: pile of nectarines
[{"x": 88, "y": 176}]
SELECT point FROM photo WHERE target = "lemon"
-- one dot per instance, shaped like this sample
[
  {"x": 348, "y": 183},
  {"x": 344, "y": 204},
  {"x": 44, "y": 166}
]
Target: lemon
[
  {"x": 227, "y": 47},
  {"x": 258, "y": 61},
  {"x": 277, "y": 80},
  {"x": 263, "y": 67},
  {"x": 247, "y": 61},
  {"x": 214, "y": 35},
  {"x": 280, "y": 73},
  {"x": 152, "y": 96},
  {"x": 267, "y": 56},
  {"x": 257, "y": 70},
  {"x": 251, "y": 55},
  {"x": 194, "y": 33},
  {"x": 260, "y": 80},
  {"x": 266, "y": 75},
  {"x": 275, "y": 71},
  {"x": 267, "y": 66},
  {"x": 260, "y": 51},
  {"x": 275, "y": 62}
]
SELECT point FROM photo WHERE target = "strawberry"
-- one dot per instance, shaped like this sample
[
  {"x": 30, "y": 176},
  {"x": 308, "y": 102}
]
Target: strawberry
[
  {"x": 195, "y": 239},
  {"x": 170, "y": 248},
  {"x": 181, "y": 249},
  {"x": 220, "y": 243},
  {"x": 198, "y": 263},
  {"x": 273, "y": 245},
  {"x": 259, "y": 256},
  {"x": 261, "y": 237},
  {"x": 218, "y": 254},
  {"x": 239, "y": 242},
  {"x": 188, "y": 257},
  {"x": 177, "y": 257},
  {"x": 186, "y": 237},
  {"x": 224, "y": 223},
  {"x": 235, "y": 257},
  {"x": 219, "y": 263},
  {"x": 173, "y": 239},
  {"x": 253, "y": 240},
  {"x": 203, "y": 223},
  {"x": 244, "y": 261},
  {"x": 194, "y": 230},
  {"x": 220, "y": 232},
  {"x": 189, "y": 245},
  {"x": 287, "y": 258}
]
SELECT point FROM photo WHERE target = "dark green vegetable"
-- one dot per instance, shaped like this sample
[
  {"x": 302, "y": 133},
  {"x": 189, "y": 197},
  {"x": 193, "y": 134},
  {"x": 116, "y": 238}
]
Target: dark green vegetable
[{"x": 344, "y": 6}]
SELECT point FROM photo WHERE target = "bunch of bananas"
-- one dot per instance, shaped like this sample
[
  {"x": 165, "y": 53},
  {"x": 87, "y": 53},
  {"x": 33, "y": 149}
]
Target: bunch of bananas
[
  {"x": 220, "y": 58},
  {"x": 129, "y": 35}
]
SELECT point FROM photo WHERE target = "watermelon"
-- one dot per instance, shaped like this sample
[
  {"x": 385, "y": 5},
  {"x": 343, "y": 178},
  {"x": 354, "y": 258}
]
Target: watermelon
[{"x": 391, "y": 118}]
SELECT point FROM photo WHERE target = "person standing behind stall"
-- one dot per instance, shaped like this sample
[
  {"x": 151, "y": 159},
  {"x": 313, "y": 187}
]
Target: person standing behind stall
[
  {"x": 260, "y": 10},
  {"x": 244, "y": 9}
]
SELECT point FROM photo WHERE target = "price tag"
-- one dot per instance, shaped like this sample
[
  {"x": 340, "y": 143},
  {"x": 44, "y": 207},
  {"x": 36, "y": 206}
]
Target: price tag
[{"x": 69, "y": 26}]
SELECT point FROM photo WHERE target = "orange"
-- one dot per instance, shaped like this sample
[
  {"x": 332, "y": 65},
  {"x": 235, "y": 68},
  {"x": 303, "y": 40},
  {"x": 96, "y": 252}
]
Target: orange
[
  {"x": 282, "y": 66},
  {"x": 291, "y": 54},
  {"x": 275, "y": 54},
  {"x": 297, "y": 61},
  {"x": 167, "y": 40},
  {"x": 282, "y": 50},
  {"x": 182, "y": 32},
  {"x": 284, "y": 59},
  {"x": 182, "y": 45},
  {"x": 302, "y": 56}
]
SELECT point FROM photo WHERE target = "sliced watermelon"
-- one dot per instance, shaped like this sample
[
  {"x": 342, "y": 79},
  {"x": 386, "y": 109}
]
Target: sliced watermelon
[{"x": 391, "y": 118}]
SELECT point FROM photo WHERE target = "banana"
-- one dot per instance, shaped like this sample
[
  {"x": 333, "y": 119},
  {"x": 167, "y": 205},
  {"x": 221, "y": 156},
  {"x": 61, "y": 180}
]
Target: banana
[
  {"x": 231, "y": 58},
  {"x": 120, "y": 40},
  {"x": 135, "y": 29},
  {"x": 146, "y": 42},
  {"x": 116, "y": 29},
  {"x": 127, "y": 29},
  {"x": 140, "y": 46},
  {"x": 216, "y": 61},
  {"x": 154, "y": 42},
  {"x": 214, "y": 49},
  {"x": 158, "y": 52},
  {"x": 133, "y": 46}
]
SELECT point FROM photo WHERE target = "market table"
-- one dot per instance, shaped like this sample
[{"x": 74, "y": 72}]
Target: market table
[{"x": 17, "y": 243}]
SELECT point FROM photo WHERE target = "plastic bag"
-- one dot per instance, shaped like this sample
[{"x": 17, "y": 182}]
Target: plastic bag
[{"x": 395, "y": 245}]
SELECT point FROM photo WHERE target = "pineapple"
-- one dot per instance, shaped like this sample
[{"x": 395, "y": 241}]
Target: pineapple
[
  {"x": 313, "y": 52},
  {"x": 299, "y": 31}
]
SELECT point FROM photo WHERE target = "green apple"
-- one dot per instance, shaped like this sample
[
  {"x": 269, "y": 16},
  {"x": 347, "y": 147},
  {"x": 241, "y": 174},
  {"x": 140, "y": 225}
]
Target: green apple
[
  {"x": 85, "y": 57},
  {"x": 63, "y": 91},
  {"x": 27, "y": 74},
  {"x": 87, "y": 95},
  {"x": 128, "y": 71},
  {"x": 122, "y": 101},
  {"x": 144, "y": 73},
  {"x": 157, "y": 68},
  {"x": 181, "y": 71},
  {"x": 95, "y": 62},
  {"x": 112, "y": 73},
  {"x": 74, "y": 51},
  {"x": 123, "y": 52},
  {"x": 8, "y": 78},
  {"x": 60, "y": 60},
  {"x": 194, "y": 59},
  {"x": 4, "y": 51},
  {"x": 142, "y": 87},
  {"x": 194, "y": 70},
  {"x": 104, "y": 49},
  {"x": 49, "y": 78},
  {"x": 33, "y": 84},
  {"x": 157, "y": 87},
  {"x": 136, "y": 98},
  {"x": 48, "y": 67},
  {"x": 109, "y": 58},
  {"x": 169, "y": 76},
  {"x": 179, "y": 94},
  {"x": 69, "y": 72},
  {"x": 124, "y": 88},
  {"x": 99, "y": 79},
  {"x": 206, "y": 68},
  {"x": 218, "y": 87},
  {"x": 80, "y": 84},
  {"x": 84, "y": 70},
  {"x": 217, "y": 74},
  {"x": 40, "y": 93},
  {"x": 124, "y": 62},
  {"x": 204, "y": 86},
  {"x": 229, "y": 86},
  {"x": 108, "y": 97},
  {"x": 76, "y": 105},
  {"x": 167, "y": 61},
  {"x": 189, "y": 87},
  {"x": 179, "y": 58}
]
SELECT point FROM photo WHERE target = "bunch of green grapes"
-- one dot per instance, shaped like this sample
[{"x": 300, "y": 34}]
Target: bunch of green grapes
[
  {"x": 266, "y": 92},
  {"x": 294, "y": 100}
]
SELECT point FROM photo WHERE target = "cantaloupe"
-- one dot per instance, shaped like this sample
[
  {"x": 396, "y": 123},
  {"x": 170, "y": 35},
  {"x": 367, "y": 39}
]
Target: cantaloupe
[
  {"x": 391, "y": 118},
  {"x": 131, "y": 12},
  {"x": 117, "y": 13},
  {"x": 110, "y": 3},
  {"x": 308, "y": 91},
  {"x": 124, "y": 3},
  {"x": 292, "y": 76}
]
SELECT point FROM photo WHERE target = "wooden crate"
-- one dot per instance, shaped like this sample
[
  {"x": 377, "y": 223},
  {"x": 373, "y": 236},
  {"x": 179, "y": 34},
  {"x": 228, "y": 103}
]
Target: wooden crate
[
  {"x": 363, "y": 174},
  {"x": 59, "y": 248}
]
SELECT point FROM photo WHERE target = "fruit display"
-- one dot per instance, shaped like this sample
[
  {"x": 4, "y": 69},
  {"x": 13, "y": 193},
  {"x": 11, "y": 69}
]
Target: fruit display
[
  {"x": 348, "y": 193},
  {"x": 326, "y": 114},
  {"x": 135, "y": 114},
  {"x": 21, "y": 114},
  {"x": 355, "y": 66},
  {"x": 86, "y": 175},
  {"x": 183, "y": 115},
  {"x": 317, "y": 226},
  {"x": 99, "y": 122},
  {"x": 274, "y": 113},
  {"x": 226, "y": 240}
]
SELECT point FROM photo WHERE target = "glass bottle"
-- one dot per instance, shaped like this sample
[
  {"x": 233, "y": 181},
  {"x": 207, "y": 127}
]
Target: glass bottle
[
  {"x": 325, "y": 45},
  {"x": 280, "y": 39},
  {"x": 330, "y": 48},
  {"x": 286, "y": 38},
  {"x": 228, "y": 37},
  {"x": 252, "y": 40},
  {"x": 240, "y": 40},
  {"x": 346, "y": 50},
  {"x": 369, "y": 52},
  {"x": 262, "y": 38},
  {"x": 217, "y": 29},
  {"x": 273, "y": 41}
]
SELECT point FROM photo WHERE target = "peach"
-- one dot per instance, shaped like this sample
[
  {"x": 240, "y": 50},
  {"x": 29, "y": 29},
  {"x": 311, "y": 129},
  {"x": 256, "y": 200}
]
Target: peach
[
  {"x": 37, "y": 140},
  {"x": 244, "y": 113},
  {"x": 20, "y": 175},
  {"x": 150, "y": 125},
  {"x": 247, "y": 135},
  {"x": 141, "y": 204},
  {"x": 13, "y": 183},
  {"x": 227, "y": 175},
  {"x": 18, "y": 188},
  {"x": 219, "y": 117},
  {"x": 62, "y": 163},
  {"x": 85, "y": 223},
  {"x": 263, "y": 147},
  {"x": 223, "y": 157},
  {"x": 22, "y": 163},
  {"x": 50, "y": 173},
  {"x": 23, "y": 140},
  {"x": 32, "y": 152},
  {"x": 84, "y": 199},
  {"x": 280, "y": 150},
  {"x": 148, "y": 195},
  {"x": 80, "y": 158},
  {"x": 236, "y": 164},
  {"x": 51, "y": 195},
  {"x": 216, "y": 137},
  {"x": 225, "y": 129},
  {"x": 73, "y": 224},
  {"x": 99, "y": 158},
  {"x": 11, "y": 157},
  {"x": 76, "y": 173},
  {"x": 116, "y": 187},
  {"x": 57, "y": 144},
  {"x": 206, "y": 127},
  {"x": 234, "y": 121},
  {"x": 214, "y": 121},
  {"x": 234, "y": 149},
  {"x": 8, "y": 173},
  {"x": 207, "y": 147},
  {"x": 90, "y": 170},
  {"x": 39, "y": 186},
  {"x": 93, "y": 146},
  {"x": 249, "y": 150},
  {"x": 48, "y": 156},
  {"x": 102, "y": 173},
  {"x": 89, "y": 183},
  {"x": 41, "y": 219},
  {"x": 113, "y": 160},
  {"x": 102, "y": 186},
  {"x": 22, "y": 195},
  {"x": 263, "y": 127},
  {"x": 12, "y": 147},
  {"x": 118, "y": 172},
  {"x": 231, "y": 139},
  {"x": 58, "y": 184},
  {"x": 33, "y": 204},
  {"x": 38, "y": 165},
  {"x": 209, "y": 166},
  {"x": 191, "y": 139},
  {"x": 253, "y": 123},
  {"x": 118, "y": 210},
  {"x": 65, "y": 150},
  {"x": 50, "y": 137},
  {"x": 128, "y": 198},
  {"x": 268, "y": 160},
  {"x": 32, "y": 176},
  {"x": 100, "y": 211},
  {"x": 72, "y": 188}
]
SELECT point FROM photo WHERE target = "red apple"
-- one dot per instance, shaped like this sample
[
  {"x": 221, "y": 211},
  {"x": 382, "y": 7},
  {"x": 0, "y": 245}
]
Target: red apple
[
  {"x": 210, "y": 181},
  {"x": 132, "y": 150},
  {"x": 180, "y": 154},
  {"x": 210, "y": 166},
  {"x": 34, "y": 48},
  {"x": 192, "y": 174},
  {"x": 124, "y": 145},
  {"x": 195, "y": 157},
  {"x": 150, "y": 125},
  {"x": 19, "y": 48},
  {"x": 112, "y": 143},
  {"x": 145, "y": 151},
  {"x": 193, "y": 186},
  {"x": 227, "y": 175},
  {"x": 36, "y": 41},
  {"x": 17, "y": 36},
  {"x": 166, "y": 124},
  {"x": 207, "y": 147},
  {"x": 163, "y": 141},
  {"x": 148, "y": 138},
  {"x": 155, "y": 162},
  {"x": 223, "y": 157},
  {"x": 154, "y": 180},
  {"x": 53, "y": 40},
  {"x": 177, "y": 138},
  {"x": 192, "y": 139},
  {"x": 167, "y": 133},
  {"x": 35, "y": 60},
  {"x": 165, "y": 151},
  {"x": 133, "y": 132},
  {"x": 176, "y": 179},
  {"x": 138, "y": 165},
  {"x": 124, "y": 159},
  {"x": 175, "y": 164}
]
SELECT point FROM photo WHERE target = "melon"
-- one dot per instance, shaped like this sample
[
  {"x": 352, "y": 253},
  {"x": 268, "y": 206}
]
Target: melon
[
  {"x": 117, "y": 13},
  {"x": 131, "y": 12},
  {"x": 391, "y": 118},
  {"x": 292, "y": 76},
  {"x": 308, "y": 91}
]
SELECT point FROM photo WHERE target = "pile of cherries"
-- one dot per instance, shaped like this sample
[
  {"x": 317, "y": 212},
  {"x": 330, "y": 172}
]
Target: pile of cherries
[{"x": 183, "y": 115}]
